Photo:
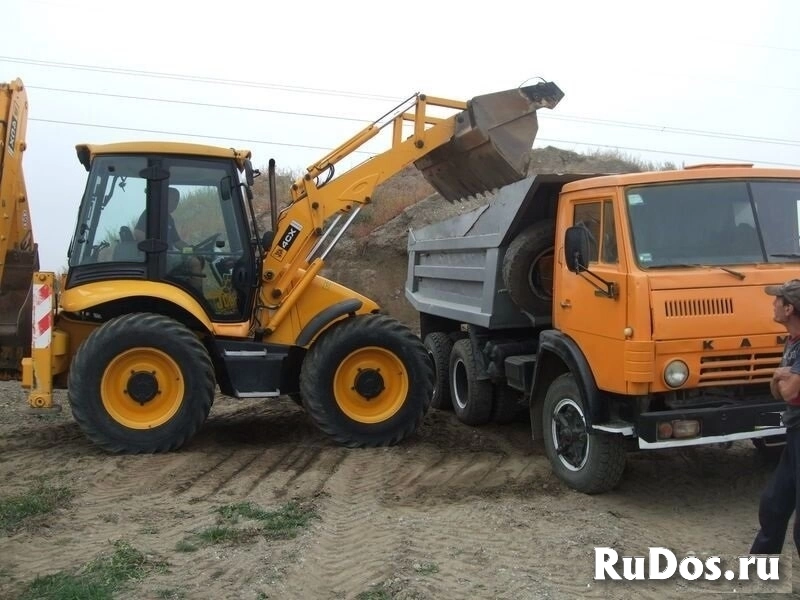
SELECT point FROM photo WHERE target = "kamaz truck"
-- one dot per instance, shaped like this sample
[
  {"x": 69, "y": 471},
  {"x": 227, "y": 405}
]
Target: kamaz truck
[{"x": 621, "y": 311}]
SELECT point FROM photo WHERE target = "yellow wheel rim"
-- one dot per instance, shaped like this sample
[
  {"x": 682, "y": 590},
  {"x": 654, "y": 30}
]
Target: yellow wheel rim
[
  {"x": 149, "y": 375},
  {"x": 379, "y": 374}
]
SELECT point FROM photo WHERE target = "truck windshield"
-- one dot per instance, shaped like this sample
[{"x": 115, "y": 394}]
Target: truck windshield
[{"x": 715, "y": 222}]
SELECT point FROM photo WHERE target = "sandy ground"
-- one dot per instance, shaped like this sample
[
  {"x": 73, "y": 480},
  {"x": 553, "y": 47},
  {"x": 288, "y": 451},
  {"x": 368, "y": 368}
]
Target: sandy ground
[{"x": 455, "y": 512}]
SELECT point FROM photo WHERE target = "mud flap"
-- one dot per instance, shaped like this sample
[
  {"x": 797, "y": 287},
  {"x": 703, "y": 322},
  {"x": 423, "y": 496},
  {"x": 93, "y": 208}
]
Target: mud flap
[{"x": 491, "y": 144}]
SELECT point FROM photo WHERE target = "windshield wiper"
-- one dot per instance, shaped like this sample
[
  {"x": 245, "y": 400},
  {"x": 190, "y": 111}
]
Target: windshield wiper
[
  {"x": 786, "y": 255},
  {"x": 736, "y": 274}
]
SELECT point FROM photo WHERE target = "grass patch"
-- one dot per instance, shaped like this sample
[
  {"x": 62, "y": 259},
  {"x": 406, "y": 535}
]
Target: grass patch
[
  {"x": 283, "y": 523},
  {"x": 39, "y": 500},
  {"x": 185, "y": 546},
  {"x": 374, "y": 595},
  {"x": 280, "y": 524},
  {"x": 171, "y": 594},
  {"x": 426, "y": 568},
  {"x": 222, "y": 534},
  {"x": 243, "y": 522},
  {"x": 98, "y": 580}
]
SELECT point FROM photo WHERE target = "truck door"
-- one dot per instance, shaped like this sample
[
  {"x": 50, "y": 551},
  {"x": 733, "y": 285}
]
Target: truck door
[{"x": 581, "y": 310}]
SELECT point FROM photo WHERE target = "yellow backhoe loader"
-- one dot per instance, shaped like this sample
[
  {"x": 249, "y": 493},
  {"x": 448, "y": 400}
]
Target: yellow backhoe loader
[{"x": 172, "y": 291}]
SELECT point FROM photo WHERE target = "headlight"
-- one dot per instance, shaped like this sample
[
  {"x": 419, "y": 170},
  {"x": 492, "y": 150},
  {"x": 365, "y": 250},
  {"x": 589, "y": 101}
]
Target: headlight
[{"x": 676, "y": 373}]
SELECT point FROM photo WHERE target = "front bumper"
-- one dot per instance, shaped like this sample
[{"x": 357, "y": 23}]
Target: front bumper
[{"x": 717, "y": 425}]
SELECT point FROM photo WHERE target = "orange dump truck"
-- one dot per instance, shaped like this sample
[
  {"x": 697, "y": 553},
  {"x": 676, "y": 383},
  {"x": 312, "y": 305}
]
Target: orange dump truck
[{"x": 622, "y": 311}]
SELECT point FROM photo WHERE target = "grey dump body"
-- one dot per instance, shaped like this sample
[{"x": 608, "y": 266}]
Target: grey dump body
[{"x": 455, "y": 266}]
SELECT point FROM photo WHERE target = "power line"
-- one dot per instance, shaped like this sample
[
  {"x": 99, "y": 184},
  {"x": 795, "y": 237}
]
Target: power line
[
  {"x": 195, "y": 78},
  {"x": 678, "y": 130},
  {"x": 195, "y": 135},
  {"x": 265, "y": 85},
  {"x": 292, "y": 145},
  {"x": 193, "y": 103},
  {"x": 592, "y": 144},
  {"x": 559, "y": 117}
]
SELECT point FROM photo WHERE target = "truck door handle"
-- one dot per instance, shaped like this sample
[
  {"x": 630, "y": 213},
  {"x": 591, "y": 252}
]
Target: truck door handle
[{"x": 566, "y": 304}]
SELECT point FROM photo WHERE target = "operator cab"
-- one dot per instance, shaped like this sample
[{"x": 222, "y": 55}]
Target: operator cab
[{"x": 166, "y": 218}]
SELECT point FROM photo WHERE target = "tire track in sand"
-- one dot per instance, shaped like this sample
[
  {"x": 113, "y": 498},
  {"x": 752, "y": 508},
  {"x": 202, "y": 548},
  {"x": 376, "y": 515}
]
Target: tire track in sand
[{"x": 356, "y": 541}]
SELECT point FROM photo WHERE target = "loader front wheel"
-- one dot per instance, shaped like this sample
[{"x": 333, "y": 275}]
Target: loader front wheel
[
  {"x": 141, "y": 383},
  {"x": 367, "y": 381}
]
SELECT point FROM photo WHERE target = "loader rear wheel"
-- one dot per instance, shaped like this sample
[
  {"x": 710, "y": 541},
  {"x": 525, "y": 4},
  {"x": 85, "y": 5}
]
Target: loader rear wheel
[
  {"x": 439, "y": 347},
  {"x": 472, "y": 397},
  {"x": 141, "y": 383},
  {"x": 367, "y": 381},
  {"x": 528, "y": 268}
]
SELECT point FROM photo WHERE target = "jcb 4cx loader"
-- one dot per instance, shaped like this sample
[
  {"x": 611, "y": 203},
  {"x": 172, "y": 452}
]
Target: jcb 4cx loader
[{"x": 146, "y": 325}]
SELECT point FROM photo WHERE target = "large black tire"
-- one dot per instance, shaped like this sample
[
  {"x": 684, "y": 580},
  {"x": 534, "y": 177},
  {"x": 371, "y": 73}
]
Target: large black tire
[
  {"x": 367, "y": 381},
  {"x": 472, "y": 398},
  {"x": 508, "y": 404},
  {"x": 141, "y": 383},
  {"x": 528, "y": 268},
  {"x": 439, "y": 347},
  {"x": 588, "y": 462}
]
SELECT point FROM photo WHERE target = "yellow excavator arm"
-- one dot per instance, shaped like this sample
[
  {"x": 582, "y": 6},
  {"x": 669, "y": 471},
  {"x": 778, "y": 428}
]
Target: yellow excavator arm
[
  {"x": 18, "y": 253},
  {"x": 483, "y": 146}
]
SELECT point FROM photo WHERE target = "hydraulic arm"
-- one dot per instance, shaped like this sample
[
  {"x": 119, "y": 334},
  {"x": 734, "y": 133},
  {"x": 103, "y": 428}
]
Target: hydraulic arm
[{"x": 485, "y": 145}]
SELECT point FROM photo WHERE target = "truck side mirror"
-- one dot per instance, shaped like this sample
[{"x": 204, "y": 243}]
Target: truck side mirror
[{"x": 576, "y": 248}]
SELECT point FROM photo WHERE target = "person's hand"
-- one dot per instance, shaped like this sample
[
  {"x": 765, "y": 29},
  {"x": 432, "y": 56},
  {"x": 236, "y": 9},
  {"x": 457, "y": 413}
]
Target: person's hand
[{"x": 781, "y": 373}]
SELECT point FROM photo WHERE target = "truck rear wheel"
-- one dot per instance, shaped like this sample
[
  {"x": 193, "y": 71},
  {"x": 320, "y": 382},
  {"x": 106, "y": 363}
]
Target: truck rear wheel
[
  {"x": 472, "y": 397},
  {"x": 141, "y": 383},
  {"x": 528, "y": 267},
  {"x": 588, "y": 462},
  {"x": 439, "y": 348},
  {"x": 367, "y": 381}
]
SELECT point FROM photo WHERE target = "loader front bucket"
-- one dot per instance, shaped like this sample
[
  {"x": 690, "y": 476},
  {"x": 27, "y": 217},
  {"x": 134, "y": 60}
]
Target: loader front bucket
[{"x": 491, "y": 144}]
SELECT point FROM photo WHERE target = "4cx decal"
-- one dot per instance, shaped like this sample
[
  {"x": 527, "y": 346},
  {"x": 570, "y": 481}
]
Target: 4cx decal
[
  {"x": 286, "y": 240},
  {"x": 12, "y": 135}
]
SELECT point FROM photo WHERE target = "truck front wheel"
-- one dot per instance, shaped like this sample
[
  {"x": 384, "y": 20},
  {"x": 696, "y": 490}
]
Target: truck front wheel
[{"x": 590, "y": 462}]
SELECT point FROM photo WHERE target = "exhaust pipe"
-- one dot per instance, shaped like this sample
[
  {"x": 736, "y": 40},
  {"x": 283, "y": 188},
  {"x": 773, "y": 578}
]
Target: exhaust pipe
[{"x": 491, "y": 144}]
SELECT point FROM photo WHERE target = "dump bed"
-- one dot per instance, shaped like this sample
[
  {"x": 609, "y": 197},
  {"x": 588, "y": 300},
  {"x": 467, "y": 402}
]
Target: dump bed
[{"x": 455, "y": 266}]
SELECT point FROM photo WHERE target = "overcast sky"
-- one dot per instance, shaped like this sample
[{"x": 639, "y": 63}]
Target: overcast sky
[{"x": 680, "y": 81}]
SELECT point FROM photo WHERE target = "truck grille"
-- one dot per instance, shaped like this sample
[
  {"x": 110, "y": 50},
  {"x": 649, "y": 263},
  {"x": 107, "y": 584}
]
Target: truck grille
[
  {"x": 738, "y": 368},
  {"x": 698, "y": 307}
]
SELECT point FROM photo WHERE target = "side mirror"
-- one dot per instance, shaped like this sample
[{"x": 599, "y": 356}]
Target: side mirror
[
  {"x": 576, "y": 248},
  {"x": 225, "y": 188},
  {"x": 249, "y": 172},
  {"x": 266, "y": 240}
]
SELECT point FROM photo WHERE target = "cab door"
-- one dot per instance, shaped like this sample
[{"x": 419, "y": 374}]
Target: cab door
[
  {"x": 581, "y": 307},
  {"x": 215, "y": 261}
]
